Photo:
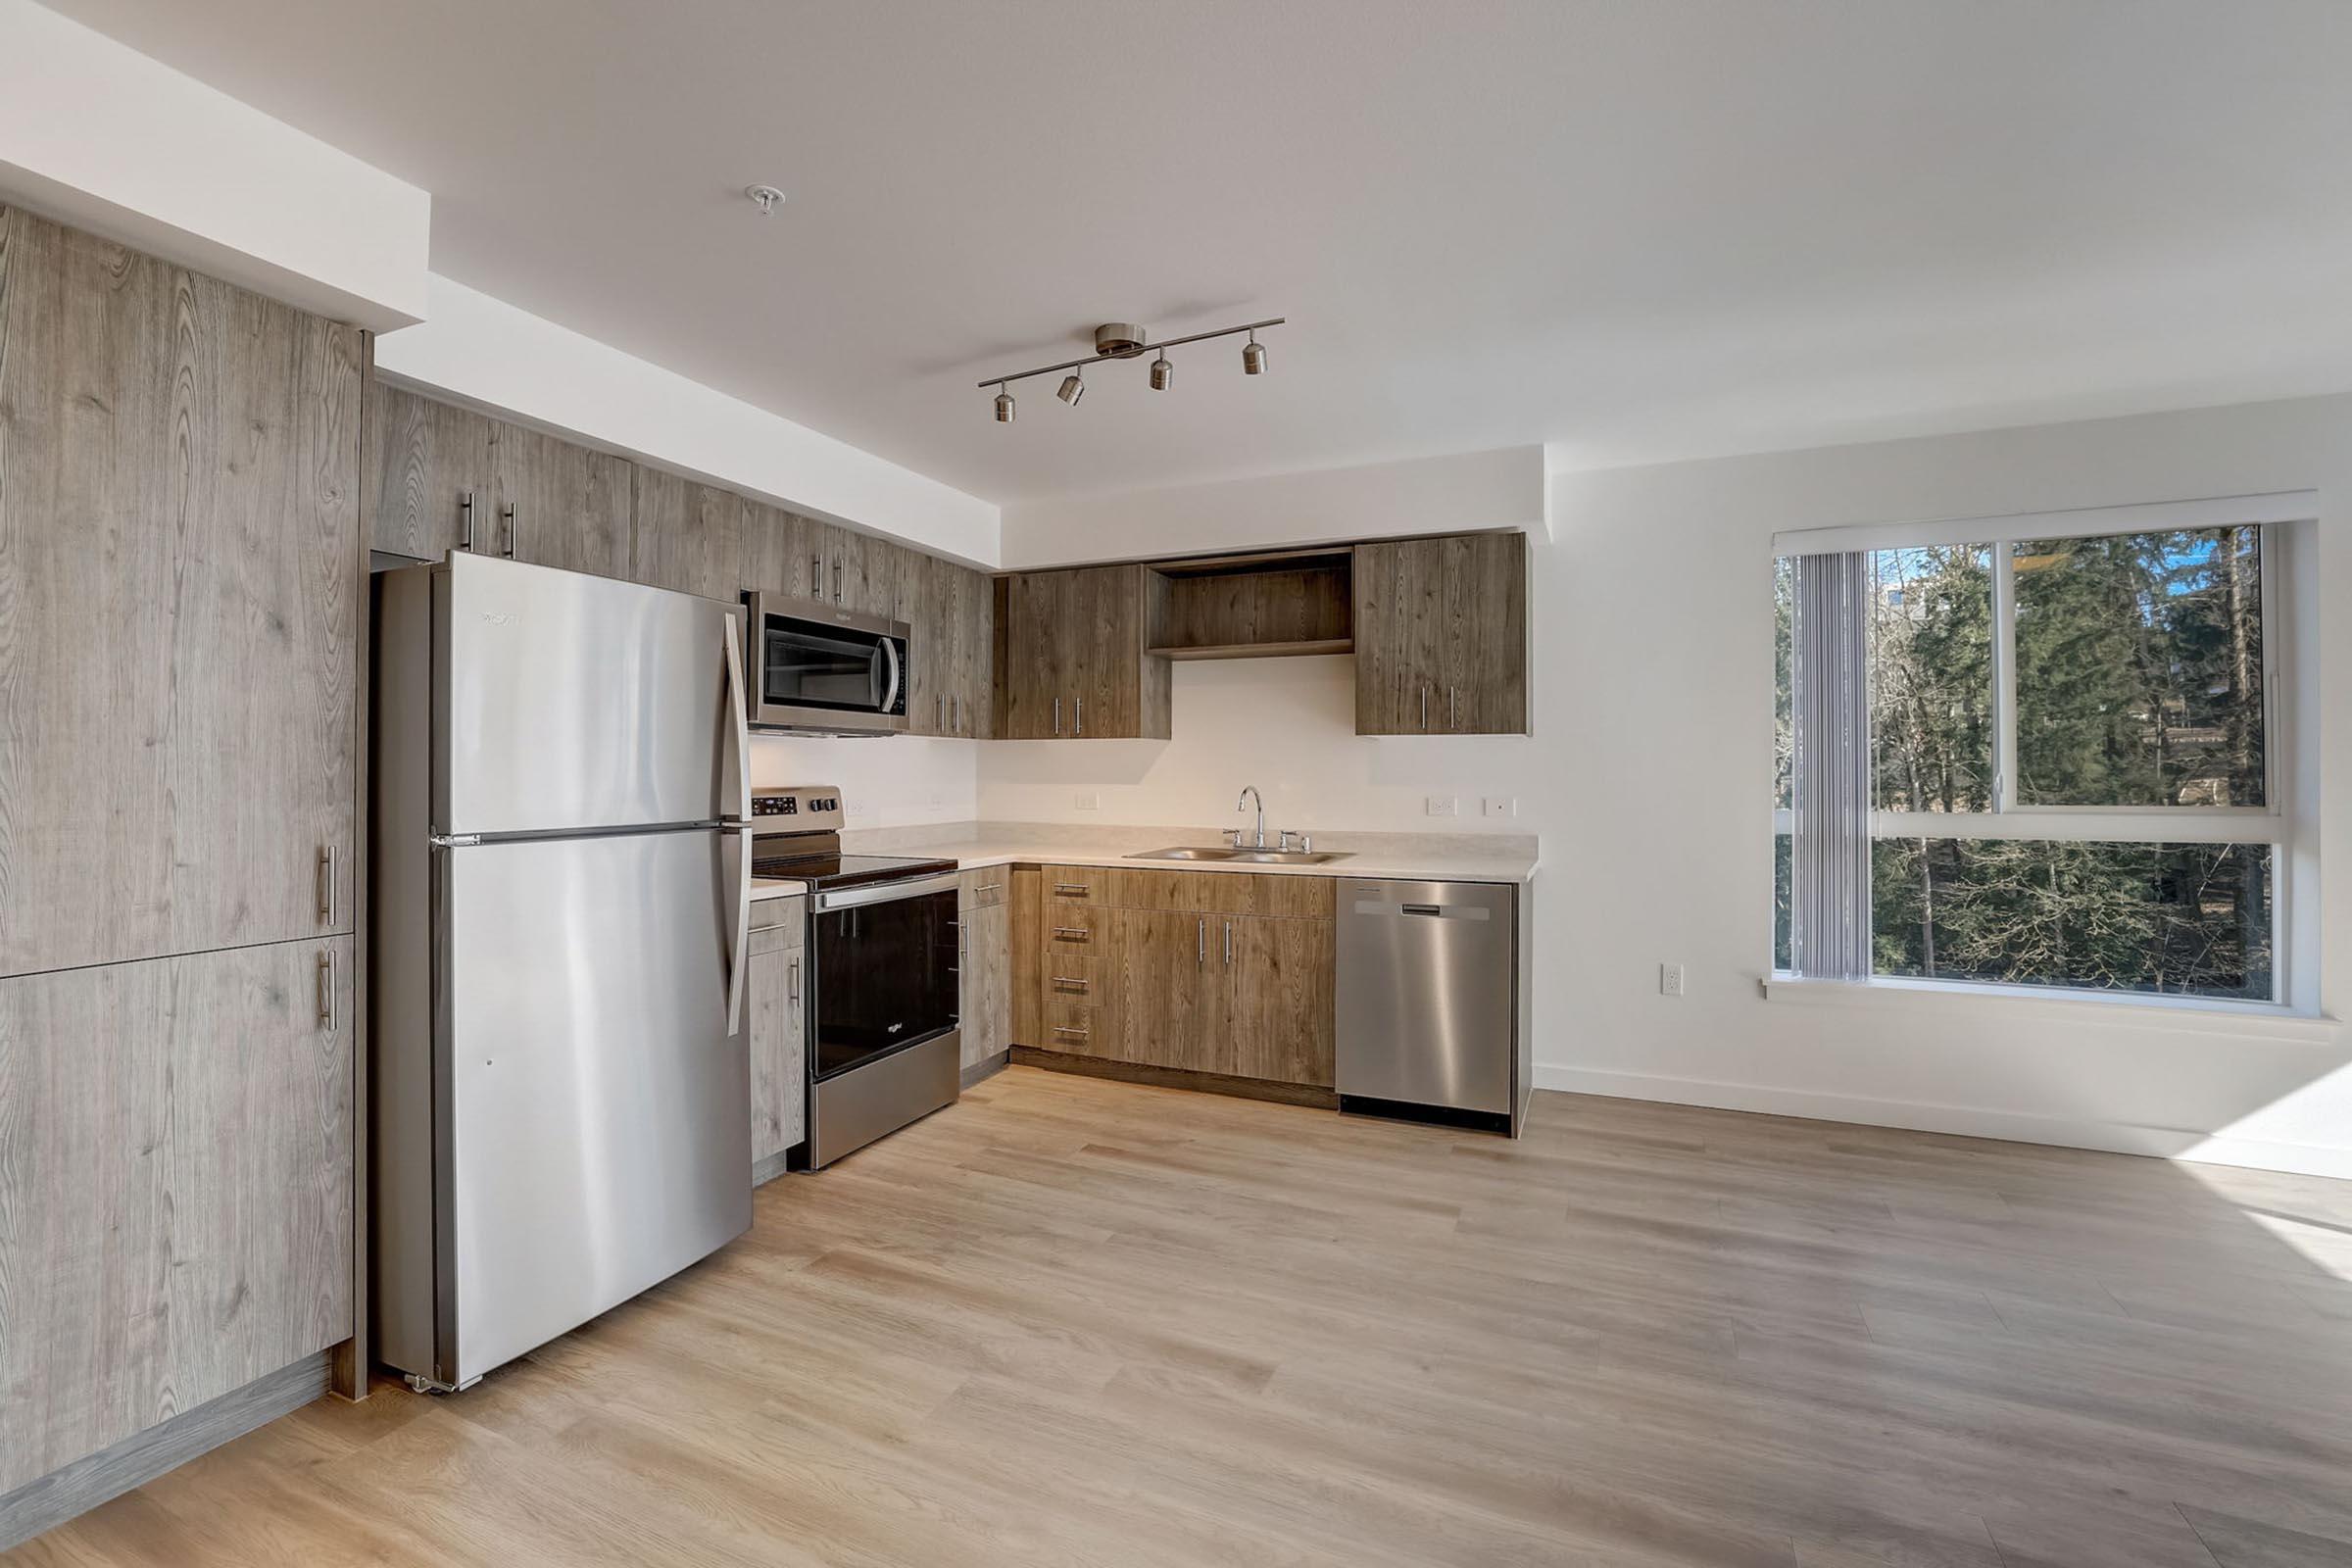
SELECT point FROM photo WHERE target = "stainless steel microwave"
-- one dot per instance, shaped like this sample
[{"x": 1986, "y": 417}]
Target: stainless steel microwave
[{"x": 817, "y": 667}]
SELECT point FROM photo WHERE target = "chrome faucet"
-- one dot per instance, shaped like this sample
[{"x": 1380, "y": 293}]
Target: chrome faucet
[{"x": 1249, "y": 794}]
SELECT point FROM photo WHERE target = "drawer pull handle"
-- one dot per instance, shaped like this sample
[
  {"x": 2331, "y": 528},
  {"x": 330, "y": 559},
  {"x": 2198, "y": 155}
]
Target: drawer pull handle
[
  {"x": 1073, "y": 982},
  {"x": 1079, "y": 932},
  {"x": 990, "y": 887},
  {"x": 1078, "y": 1034},
  {"x": 1073, "y": 887}
]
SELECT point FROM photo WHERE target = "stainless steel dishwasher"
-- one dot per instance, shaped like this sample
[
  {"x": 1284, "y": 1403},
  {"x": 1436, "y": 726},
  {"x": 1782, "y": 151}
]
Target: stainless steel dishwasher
[{"x": 1430, "y": 1022}]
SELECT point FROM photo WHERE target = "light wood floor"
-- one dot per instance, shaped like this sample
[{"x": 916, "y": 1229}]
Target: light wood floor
[{"x": 1073, "y": 1322}]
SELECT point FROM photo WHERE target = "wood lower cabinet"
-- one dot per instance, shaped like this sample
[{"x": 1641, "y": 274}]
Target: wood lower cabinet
[
  {"x": 180, "y": 578},
  {"x": 778, "y": 1030},
  {"x": 1440, "y": 636},
  {"x": 1208, "y": 972},
  {"x": 984, "y": 965},
  {"x": 175, "y": 1164}
]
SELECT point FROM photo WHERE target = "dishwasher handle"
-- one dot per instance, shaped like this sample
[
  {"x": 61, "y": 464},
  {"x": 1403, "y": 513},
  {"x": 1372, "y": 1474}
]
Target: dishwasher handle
[{"x": 1426, "y": 912}]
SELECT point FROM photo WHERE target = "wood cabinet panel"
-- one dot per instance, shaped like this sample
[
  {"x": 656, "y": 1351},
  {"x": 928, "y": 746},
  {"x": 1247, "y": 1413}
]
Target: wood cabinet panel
[
  {"x": 559, "y": 505},
  {"x": 1441, "y": 635},
  {"x": 175, "y": 1164},
  {"x": 1024, "y": 899},
  {"x": 1276, "y": 1002},
  {"x": 986, "y": 970},
  {"x": 424, "y": 458},
  {"x": 1202, "y": 891},
  {"x": 178, "y": 575},
  {"x": 1073, "y": 665},
  {"x": 685, "y": 535},
  {"x": 778, "y": 1032}
]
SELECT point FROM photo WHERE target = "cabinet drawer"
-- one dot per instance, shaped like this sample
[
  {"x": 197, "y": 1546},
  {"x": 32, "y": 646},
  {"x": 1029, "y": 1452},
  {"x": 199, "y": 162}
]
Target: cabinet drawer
[
  {"x": 1072, "y": 975},
  {"x": 1079, "y": 884},
  {"x": 1080, "y": 1030},
  {"x": 787, "y": 937},
  {"x": 1067, "y": 927},
  {"x": 985, "y": 888},
  {"x": 1219, "y": 893},
  {"x": 790, "y": 911}
]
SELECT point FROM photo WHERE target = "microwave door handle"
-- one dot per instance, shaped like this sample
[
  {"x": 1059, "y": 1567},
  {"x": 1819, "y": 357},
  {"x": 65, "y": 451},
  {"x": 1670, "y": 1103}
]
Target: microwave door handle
[
  {"x": 735, "y": 787},
  {"x": 890, "y": 693}
]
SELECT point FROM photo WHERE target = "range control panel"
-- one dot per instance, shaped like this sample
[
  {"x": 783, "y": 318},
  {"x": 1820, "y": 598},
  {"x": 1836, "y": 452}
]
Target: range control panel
[{"x": 804, "y": 807}]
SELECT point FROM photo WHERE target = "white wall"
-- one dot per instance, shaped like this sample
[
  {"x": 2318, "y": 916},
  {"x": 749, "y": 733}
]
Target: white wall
[
  {"x": 1650, "y": 780},
  {"x": 97, "y": 135},
  {"x": 1457, "y": 493},
  {"x": 1287, "y": 725},
  {"x": 487, "y": 351},
  {"x": 885, "y": 781}
]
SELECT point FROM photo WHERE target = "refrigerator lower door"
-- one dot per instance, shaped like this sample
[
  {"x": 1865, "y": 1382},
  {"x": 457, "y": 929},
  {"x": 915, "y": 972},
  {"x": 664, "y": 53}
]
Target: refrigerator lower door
[
  {"x": 571, "y": 703},
  {"x": 597, "y": 1124}
]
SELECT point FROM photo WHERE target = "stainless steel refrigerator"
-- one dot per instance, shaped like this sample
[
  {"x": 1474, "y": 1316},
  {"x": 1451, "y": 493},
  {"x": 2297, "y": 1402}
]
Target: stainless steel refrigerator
[{"x": 559, "y": 1081}]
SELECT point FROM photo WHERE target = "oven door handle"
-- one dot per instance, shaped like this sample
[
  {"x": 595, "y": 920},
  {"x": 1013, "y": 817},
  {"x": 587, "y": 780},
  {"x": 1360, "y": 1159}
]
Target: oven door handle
[{"x": 887, "y": 892}]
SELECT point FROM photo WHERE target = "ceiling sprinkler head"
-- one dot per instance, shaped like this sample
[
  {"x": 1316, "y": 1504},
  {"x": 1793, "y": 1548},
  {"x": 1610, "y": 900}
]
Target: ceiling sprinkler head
[{"x": 764, "y": 197}]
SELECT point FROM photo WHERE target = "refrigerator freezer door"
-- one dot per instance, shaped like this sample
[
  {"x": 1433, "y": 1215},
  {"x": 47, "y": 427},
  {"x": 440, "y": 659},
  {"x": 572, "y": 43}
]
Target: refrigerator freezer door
[
  {"x": 599, "y": 1132},
  {"x": 569, "y": 701}
]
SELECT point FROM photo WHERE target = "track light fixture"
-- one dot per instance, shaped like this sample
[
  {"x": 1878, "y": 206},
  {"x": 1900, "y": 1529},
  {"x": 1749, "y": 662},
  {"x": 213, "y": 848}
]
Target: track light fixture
[{"x": 1123, "y": 340}]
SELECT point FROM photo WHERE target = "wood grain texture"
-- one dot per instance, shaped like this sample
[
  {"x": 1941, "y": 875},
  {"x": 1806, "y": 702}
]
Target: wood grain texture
[
  {"x": 1242, "y": 608},
  {"x": 1200, "y": 891},
  {"x": 570, "y": 506},
  {"x": 1191, "y": 1080},
  {"x": 1278, "y": 1012},
  {"x": 1026, "y": 898},
  {"x": 352, "y": 1363},
  {"x": 986, "y": 1008},
  {"x": 423, "y": 455},
  {"x": 778, "y": 1029},
  {"x": 1485, "y": 659},
  {"x": 1074, "y": 666},
  {"x": 1442, "y": 635},
  {"x": 1081, "y": 1322},
  {"x": 684, "y": 535},
  {"x": 178, "y": 515},
  {"x": 175, "y": 1188}
]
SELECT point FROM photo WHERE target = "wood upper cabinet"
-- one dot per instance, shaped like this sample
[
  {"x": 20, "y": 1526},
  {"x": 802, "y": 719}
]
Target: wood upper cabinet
[
  {"x": 1440, "y": 636},
  {"x": 776, "y": 1022},
  {"x": 686, "y": 535},
  {"x": 180, "y": 575},
  {"x": 947, "y": 607},
  {"x": 431, "y": 480},
  {"x": 1074, "y": 666},
  {"x": 559, "y": 505},
  {"x": 841, "y": 567},
  {"x": 175, "y": 1159}
]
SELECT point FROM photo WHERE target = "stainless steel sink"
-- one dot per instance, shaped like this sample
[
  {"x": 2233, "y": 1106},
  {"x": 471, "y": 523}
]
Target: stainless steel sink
[{"x": 1221, "y": 852}]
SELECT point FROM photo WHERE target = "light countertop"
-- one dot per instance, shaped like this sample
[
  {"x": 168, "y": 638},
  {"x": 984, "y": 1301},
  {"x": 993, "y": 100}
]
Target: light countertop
[{"x": 1424, "y": 857}]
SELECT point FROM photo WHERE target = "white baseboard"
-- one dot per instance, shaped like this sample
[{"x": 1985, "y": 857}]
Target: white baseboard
[{"x": 2069, "y": 1132}]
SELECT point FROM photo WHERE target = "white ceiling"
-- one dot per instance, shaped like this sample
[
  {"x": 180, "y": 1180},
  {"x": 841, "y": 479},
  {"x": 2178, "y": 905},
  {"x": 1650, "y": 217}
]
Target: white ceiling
[{"x": 1643, "y": 228}]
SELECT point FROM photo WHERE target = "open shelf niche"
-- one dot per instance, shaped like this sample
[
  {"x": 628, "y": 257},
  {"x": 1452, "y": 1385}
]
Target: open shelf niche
[{"x": 1273, "y": 604}]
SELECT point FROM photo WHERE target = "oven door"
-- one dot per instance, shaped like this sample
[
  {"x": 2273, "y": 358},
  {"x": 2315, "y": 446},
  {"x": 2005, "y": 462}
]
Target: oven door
[
  {"x": 819, "y": 667},
  {"x": 884, "y": 971}
]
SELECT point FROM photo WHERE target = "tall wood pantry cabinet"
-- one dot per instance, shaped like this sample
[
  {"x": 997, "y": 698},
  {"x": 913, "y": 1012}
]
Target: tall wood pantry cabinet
[{"x": 180, "y": 590}]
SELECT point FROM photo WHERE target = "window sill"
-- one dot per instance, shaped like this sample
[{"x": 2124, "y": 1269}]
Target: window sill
[{"x": 2182, "y": 1015}]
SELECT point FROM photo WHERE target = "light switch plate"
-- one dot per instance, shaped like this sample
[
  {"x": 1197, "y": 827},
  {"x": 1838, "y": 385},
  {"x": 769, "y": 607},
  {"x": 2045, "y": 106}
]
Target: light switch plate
[{"x": 1089, "y": 800}]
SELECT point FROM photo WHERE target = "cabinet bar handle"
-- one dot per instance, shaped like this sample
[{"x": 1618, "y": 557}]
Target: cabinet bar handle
[
  {"x": 837, "y": 582},
  {"x": 1073, "y": 981},
  {"x": 958, "y": 710},
  {"x": 817, "y": 576},
  {"x": 792, "y": 979},
  {"x": 1081, "y": 716},
  {"x": 1078, "y": 931},
  {"x": 988, "y": 887},
  {"x": 326, "y": 883},
  {"x": 1200, "y": 942},
  {"x": 465, "y": 520},
  {"x": 327, "y": 989},
  {"x": 506, "y": 525},
  {"x": 1452, "y": 717},
  {"x": 1229, "y": 944},
  {"x": 1073, "y": 887},
  {"x": 1056, "y": 716},
  {"x": 1063, "y": 1029}
]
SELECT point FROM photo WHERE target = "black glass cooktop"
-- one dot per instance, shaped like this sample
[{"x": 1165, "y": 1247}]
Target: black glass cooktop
[{"x": 833, "y": 870}]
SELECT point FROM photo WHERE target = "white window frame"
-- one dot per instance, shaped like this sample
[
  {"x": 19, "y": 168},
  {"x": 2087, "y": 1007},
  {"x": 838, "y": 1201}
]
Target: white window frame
[{"x": 2286, "y": 517}]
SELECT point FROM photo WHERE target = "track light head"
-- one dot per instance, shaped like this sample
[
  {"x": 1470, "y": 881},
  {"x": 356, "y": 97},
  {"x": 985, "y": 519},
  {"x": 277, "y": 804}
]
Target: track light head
[
  {"x": 1163, "y": 372},
  {"x": 1073, "y": 388},
  {"x": 1253, "y": 357},
  {"x": 1003, "y": 405}
]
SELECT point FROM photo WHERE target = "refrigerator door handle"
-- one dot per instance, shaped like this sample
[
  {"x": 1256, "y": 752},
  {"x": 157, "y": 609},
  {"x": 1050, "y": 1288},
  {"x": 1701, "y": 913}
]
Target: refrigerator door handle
[
  {"x": 738, "y": 844},
  {"x": 737, "y": 782}
]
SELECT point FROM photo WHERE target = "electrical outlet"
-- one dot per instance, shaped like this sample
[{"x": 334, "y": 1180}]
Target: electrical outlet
[
  {"x": 1502, "y": 806},
  {"x": 1443, "y": 805},
  {"x": 1089, "y": 800},
  {"x": 1670, "y": 979}
]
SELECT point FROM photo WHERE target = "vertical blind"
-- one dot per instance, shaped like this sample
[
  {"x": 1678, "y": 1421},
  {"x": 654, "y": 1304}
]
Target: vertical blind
[{"x": 1828, "y": 906}]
